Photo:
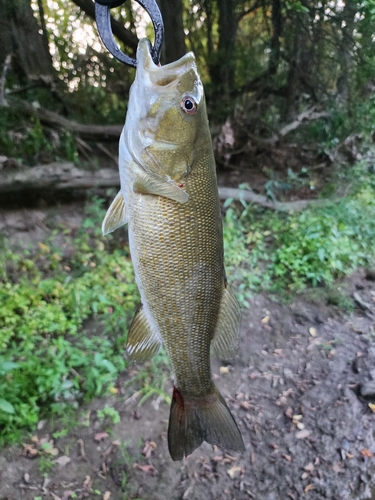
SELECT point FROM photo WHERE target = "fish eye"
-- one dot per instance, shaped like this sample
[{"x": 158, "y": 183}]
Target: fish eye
[{"x": 188, "y": 105}]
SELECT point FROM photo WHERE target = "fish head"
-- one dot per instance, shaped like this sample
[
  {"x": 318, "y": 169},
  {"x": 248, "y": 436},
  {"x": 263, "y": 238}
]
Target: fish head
[{"x": 166, "y": 115}]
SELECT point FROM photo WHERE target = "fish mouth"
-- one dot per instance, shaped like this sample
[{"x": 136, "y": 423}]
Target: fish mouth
[
  {"x": 161, "y": 76},
  {"x": 156, "y": 93}
]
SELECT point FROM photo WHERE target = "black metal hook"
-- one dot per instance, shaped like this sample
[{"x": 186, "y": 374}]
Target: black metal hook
[{"x": 103, "y": 21}]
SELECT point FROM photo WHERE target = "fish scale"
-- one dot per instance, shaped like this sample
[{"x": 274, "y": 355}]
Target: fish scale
[
  {"x": 162, "y": 275},
  {"x": 170, "y": 200}
]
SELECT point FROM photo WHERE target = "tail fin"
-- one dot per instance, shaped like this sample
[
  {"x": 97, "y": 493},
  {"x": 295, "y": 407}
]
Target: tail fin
[{"x": 192, "y": 421}]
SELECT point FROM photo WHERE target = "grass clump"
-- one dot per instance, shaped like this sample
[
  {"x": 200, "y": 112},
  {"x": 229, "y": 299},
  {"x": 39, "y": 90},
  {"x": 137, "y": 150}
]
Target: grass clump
[
  {"x": 47, "y": 362},
  {"x": 277, "y": 251}
]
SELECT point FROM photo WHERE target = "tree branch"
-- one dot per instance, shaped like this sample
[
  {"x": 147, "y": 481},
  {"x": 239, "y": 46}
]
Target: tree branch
[
  {"x": 124, "y": 35},
  {"x": 253, "y": 8},
  {"x": 3, "y": 78},
  {"x": 90, "y": 132}
]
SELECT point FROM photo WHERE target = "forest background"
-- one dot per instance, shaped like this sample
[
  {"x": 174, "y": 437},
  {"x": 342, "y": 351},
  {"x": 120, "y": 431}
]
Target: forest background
[{"x": 290, "y": 88}]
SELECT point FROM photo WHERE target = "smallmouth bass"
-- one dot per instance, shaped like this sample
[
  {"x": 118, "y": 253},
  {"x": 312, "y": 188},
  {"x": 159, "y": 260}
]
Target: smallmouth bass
[{"x": 169, "y": 199}]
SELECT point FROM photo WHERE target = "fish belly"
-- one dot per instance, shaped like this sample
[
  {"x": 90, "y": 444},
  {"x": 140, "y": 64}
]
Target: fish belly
[{"x": 178, "y": 260}]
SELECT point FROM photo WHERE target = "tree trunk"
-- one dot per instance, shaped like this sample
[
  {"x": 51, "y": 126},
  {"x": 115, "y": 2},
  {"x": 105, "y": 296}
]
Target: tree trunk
[
  {"x": 277, "y": 27},
  {"x": 207, "y": 6},
  {"x": 222, "y": 64},
  {"x": 347, "y": 42},
  {"x": 293, "y": 77},
  {"x": 43, "y": 25},
  {"x": 20, "y": 36},
  {"x": 174, "y": 42}
]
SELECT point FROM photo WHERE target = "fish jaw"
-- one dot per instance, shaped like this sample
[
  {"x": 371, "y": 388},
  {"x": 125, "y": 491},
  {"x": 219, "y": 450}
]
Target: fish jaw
[{"x": 160, "y": 136}]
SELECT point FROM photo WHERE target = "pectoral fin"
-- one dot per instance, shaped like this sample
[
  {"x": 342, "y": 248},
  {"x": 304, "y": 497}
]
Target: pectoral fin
[
  {"x": 115, "y": 216},
  {"x": 143, "y": 342},
  {"x": 152, "y": 184},
  {"x": 225, "y": 340}
]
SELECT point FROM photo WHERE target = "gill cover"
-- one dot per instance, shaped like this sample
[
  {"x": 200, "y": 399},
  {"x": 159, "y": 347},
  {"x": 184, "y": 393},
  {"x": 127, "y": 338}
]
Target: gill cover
[{"x": 159, "y": 134}]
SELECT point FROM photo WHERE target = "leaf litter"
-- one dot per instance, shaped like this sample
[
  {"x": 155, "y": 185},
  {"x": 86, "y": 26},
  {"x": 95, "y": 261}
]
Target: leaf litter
[{"x": 308, "y": 434}]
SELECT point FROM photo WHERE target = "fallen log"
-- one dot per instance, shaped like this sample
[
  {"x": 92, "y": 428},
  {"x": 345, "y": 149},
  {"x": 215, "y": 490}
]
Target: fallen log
[
  {"x": 52, "y": 119},
  {"x": 60, "y": 176},
  {"x": 57, "y": 176}
]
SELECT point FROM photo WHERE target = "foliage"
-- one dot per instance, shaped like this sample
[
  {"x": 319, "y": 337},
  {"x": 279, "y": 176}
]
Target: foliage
[
  {"x": 47, "y": 363},
  {"x": 30, "y": 143},
  {"x": 278, "y": 251},
  {"x": 109, "y": 413}
]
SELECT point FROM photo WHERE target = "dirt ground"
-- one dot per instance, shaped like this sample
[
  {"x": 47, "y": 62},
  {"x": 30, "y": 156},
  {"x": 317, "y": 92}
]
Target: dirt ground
[{"x": 301, "y": 390}]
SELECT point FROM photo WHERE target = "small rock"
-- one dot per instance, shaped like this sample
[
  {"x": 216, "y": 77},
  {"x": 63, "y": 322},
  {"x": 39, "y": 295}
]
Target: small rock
[
  {"x": 302, "y": 434},
  {"x": 313, "y": 331},
  {"x": 370, "y": 274},
  {"x": 358, "y": 364},
  {"x": 62, "y": 461},
  {"x": 289, "y": 413},
  {"x": 309, "y": 467},
  {"x": 319, "y": 318},
  {"x": 367, "y": 389}
]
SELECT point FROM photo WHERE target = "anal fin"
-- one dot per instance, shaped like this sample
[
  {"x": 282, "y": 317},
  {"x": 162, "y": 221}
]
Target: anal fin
[
  {"x": 115, "y": 216},
  {"x": 225, "y": 340},
  {"x": 143, "y": 341}
]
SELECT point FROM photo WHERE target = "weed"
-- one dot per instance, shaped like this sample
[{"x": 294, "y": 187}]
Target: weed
[
  {"x": 278, "y": 251},
  {"x": 152, "y": 377},
  {"x": 45, "y": 465},
  {"x": 59, "y": 434},
  {"x": 29, "y": 142},
  {"x": 336, "y": 296},
  {"x": 46, "y": 365},
  {"x": 109, "y": 413}
]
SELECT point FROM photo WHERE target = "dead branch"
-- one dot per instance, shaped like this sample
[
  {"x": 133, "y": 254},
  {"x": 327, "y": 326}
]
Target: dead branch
[
  {"x": 6, "y": 67},
  {"x": 308, "y": 115},
  {"x": 263, "y": 201},
  {"x": 57, "y": 176},
  {"x": 61, "y": 176},
  {"x": 89, "y": 132}
]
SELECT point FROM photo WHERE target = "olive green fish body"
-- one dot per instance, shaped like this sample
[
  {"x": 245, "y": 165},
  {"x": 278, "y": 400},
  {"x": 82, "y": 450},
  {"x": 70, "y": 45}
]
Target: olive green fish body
[
  {"x": 177, "y": 256},
  {"x": 169, "y": 199}
]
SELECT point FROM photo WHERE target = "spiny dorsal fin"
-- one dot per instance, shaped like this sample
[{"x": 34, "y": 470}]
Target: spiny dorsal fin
[
  {"x": 143, "y": 341},
  {"x": 115, "y": 216},
  {"x": 225, "y": 340}
]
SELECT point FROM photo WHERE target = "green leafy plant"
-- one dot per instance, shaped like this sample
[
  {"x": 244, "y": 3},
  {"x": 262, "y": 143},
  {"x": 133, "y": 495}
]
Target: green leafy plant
[
  {"x": 278, "y": 251},
  {"x": 109, "y": 413},
  {"x": 46, "y": 363}
]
